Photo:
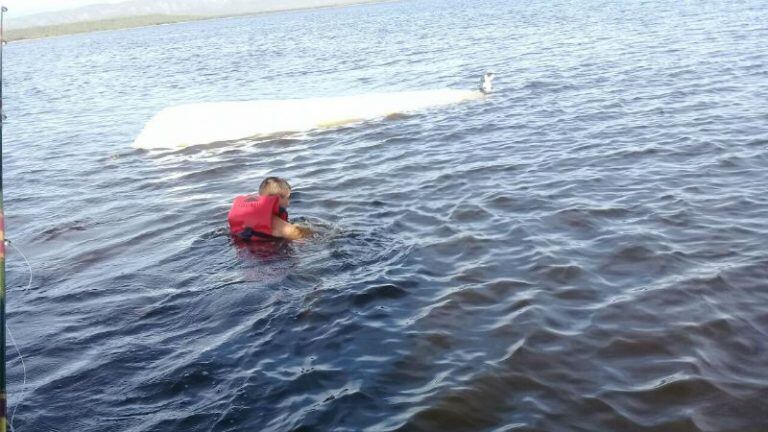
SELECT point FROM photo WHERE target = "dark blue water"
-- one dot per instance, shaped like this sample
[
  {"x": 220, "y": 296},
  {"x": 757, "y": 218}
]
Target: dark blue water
[{"x": 587, "y": 250}]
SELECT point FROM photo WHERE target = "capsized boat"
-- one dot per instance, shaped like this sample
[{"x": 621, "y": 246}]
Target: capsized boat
[{"x": 203, "y": 123}]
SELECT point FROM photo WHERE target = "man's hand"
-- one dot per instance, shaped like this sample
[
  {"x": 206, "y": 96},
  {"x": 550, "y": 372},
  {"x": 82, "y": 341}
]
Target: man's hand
[{"x": 288, "y": 231}]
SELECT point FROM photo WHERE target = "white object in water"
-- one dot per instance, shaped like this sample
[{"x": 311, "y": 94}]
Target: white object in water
[
  {"x": 486, "y": 83},
  {"x": 203, "y": 123}
]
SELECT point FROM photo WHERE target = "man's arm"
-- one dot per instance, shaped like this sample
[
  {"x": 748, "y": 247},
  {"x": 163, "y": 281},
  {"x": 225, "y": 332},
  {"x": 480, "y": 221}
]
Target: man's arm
[{"x": 289, "y": 231}]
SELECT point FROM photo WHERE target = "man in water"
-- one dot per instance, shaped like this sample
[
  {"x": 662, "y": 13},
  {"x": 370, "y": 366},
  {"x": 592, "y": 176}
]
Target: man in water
[{"x": 264, "y": 216}]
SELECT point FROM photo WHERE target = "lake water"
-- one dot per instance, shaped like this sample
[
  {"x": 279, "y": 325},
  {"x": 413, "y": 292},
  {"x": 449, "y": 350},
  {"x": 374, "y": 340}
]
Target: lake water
[{"x": 587, "y": 250}]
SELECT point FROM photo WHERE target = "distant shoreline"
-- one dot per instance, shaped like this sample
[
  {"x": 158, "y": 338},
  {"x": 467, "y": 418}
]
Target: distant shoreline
[
  {"x": 30, "y": 33},
  {"x": 41, "y": 32}
]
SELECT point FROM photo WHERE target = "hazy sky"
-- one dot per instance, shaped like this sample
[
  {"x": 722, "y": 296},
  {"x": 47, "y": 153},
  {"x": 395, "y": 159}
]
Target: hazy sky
[{"x": 27, "y": 7}]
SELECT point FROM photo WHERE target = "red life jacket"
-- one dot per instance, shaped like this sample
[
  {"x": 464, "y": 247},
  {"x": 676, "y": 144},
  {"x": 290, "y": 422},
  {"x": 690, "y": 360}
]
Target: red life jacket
[{"x": 251, "y": 215}]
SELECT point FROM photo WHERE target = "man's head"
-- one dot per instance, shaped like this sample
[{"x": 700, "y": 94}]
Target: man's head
[{"x": 276, "y": 186}]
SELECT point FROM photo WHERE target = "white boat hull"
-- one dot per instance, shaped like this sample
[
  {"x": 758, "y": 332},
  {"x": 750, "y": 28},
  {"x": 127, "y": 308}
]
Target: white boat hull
[{"x": 202, "y": 123}]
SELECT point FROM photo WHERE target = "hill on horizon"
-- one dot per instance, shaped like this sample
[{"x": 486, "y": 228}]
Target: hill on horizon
[{"x": 171, "y": 8}]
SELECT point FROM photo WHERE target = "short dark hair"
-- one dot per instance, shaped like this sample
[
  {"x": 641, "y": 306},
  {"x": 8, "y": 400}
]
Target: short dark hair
[{"x": 274, "y": 186}]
